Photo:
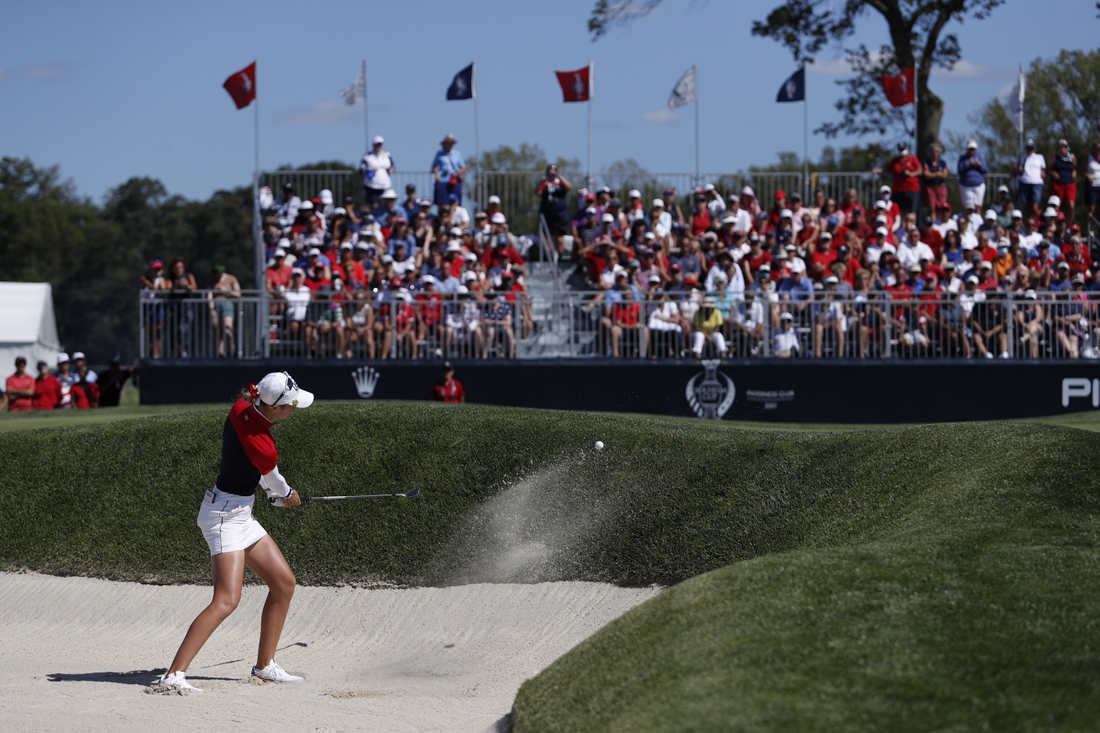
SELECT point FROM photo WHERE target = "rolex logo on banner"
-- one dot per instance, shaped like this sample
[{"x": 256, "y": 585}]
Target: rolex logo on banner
[{"x": 712, "y": 396}]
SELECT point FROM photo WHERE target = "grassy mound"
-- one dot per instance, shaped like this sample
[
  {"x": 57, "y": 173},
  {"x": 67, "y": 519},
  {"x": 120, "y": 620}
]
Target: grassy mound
[{"x": 974, "y": 609}]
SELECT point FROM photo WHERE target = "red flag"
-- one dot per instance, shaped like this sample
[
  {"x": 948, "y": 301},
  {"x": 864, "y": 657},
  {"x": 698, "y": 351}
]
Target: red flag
[
  {"x": 242, "y": 86},
  {"x": 575, "y": 85},
  {"x": 900, "y": 89}
]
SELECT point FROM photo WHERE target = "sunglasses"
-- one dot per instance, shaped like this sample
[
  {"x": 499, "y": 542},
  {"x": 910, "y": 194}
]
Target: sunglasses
[{"x": 291, "y": 386}]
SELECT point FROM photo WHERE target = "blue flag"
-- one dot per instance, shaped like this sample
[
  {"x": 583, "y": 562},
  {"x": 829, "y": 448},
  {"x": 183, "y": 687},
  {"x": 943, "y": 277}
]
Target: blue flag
[
  {"x": 462, "y": 86},
  {"x": 794, "y": 89}
]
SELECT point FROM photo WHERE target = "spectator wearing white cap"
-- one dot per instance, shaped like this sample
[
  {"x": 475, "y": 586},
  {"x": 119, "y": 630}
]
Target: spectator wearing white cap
[
  {"x": 1003, "y": 206},
  {"x": 716, "y": 206},
  {"x": 376, "y": 168},
  {"x": 388, "y": 208},
  {"x": 972, "y": 172},
  {"x": 785, "y": 342},
  {"x": 742, "y": 219},
  {"x": 1031, "y": 172},
  {"x": 449, "y": 169},
  {"x": 1063, "y": 178},
  {"x": 749, "y": 203},
  {"x": 635, "y": 210},
  {"x": 80, "y": 363},
  {"x": 454, "y": 214}
]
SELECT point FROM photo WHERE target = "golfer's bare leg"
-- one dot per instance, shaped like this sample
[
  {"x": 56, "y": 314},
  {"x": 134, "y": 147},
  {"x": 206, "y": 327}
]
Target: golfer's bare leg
[
  {"x": 228, "y": 570},
  {"x": 266, "y": 560}
]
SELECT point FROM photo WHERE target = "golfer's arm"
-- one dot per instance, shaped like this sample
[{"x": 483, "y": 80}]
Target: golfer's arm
[{"x": 275, "y": 485}]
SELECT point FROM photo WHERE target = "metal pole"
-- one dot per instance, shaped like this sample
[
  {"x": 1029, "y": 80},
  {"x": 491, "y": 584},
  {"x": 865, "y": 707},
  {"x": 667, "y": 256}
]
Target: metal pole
[
  {"x": 591, "y": 91},
  {"x": 805, "y": 141},
  {"x": 916, "y": 107},
  {"x": 697, "y": 179},
  {"x": 477, "y": 142},
  {"x": 366, "y": 130}
]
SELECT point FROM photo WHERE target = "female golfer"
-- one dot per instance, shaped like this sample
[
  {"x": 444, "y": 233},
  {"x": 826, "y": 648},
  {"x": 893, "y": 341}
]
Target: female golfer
[{"x": 236, "y": 539}]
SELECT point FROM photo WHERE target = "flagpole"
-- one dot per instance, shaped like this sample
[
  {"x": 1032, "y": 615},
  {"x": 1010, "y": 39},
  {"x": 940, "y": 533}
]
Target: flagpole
[
  {"x": 805, "y": 140},
  {"x": 695, "y": 66},
  {"x": 259, "y": 261},
  {"x": 478, "y": 184},
  {"x": 1020, "y": 101},
  {"x": 916, "y": 107},
  {"x": 591, "y": 93},
  {"x": 366, "y": 130}
]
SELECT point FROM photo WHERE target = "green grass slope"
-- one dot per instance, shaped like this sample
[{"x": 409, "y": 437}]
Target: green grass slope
[{"x": 976, "y": 609}]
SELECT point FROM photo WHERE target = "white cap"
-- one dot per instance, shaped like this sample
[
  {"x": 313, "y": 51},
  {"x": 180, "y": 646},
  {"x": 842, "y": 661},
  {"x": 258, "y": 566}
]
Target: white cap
[
  {"x": 882, "y": 231},
  {"x": 1002, "y": 189},
  {"x": 389, "y": 193},
  {"x": 971, "y": 144},
  {"x": 497, "y": 218},
  {"x": 825, "y": 235},
  {"x": 1017, "y": 214},
  {"x": 279, "y": 388},
  {"x": 470, "y": 257},
  {"x": 346, "y": 245},
  {"x": 786, "y": 214},
  {"x": 469, "y": 276},
  {"x": 1054, "y": 201},
  {"x": 326, "y": 197},
  {"x": 78, "y": 355},
  {"x": 387, "y": 259},
  {"x": 1050, "y": 212},
  {"x": 889, "y": 248},
  {"x": 658, "y": 203},
  {"x": 455, "y": 231},
  {"x": 494, "y": 199},
  {"x": 990, "y": 214},
  {"x": 832, "y": 279},
  {"x": 283, "y": 244},
  {"x": 280, "y": 252},
  {"x": 884, "y": 189},
  {"x": 62, "y": 358},
  {"x": 708, "y": 187},
  {"x": 654, "y": 279},
  {"x": 721, "y": 277},
  {"x": 971, "y": 244},
  {"x": 798, "y": 266},
  {"x": 315, "y": 252},
  {"x": 786, "y": 317},
  {"x": 298, "y": 271},
  {"x": 463, "y": 289},
  {"x": 453, "y": 247},
  {"x": 747, "y": 191},
  {"x": 636, "y": 194},
  {"x": 340, "y": 211},
  {"x": 880, "y": 204},
  {"x": 608, "y": 218},
  {"x": 650, "y": 236},
  {"x": 377, "y": 140},
  {"x": 971, "y": 279},
  {"x": 307, "y": 205}
]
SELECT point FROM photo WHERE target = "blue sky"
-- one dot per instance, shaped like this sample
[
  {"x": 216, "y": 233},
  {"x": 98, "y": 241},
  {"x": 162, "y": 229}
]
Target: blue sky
[{"x": 113, "y": 90}]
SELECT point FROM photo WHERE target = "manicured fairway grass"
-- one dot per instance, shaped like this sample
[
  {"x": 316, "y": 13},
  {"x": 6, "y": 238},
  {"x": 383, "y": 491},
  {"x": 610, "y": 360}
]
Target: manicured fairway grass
[{"x": 915, "y": 578}]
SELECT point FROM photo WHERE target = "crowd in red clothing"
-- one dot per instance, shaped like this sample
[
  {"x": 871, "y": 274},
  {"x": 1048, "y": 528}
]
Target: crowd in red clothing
[{"x": 73, "y": 385}]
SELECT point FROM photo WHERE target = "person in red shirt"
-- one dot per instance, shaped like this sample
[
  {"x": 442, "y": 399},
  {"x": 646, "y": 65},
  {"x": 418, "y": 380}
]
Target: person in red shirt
[
  {"x": 20, "y": 387},
  {"x": 429, "y": 312},
  {"x": 625, "y": 318},
  {"x": 503, "y": 253},
  {"x": 279, "y": 273},
  {"x": 907, "y": 171},
  {"x": 450, "y": 389},
  {"x": 820, "y": 260},
  {"x": 700, "y": 216},
  {"x": 47, "y": 390},
  {"x": 851, "y": 205}
]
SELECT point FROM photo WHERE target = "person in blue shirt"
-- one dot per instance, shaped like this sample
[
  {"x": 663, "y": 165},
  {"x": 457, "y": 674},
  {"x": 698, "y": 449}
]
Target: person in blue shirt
[
  {"x": 1061, "y": 281},
  {"x": 797, "y": 286},
  {"x": 389, "y": 208},
  {"x": 972, "y": 173},
  {"x": 449, "y": 169}
]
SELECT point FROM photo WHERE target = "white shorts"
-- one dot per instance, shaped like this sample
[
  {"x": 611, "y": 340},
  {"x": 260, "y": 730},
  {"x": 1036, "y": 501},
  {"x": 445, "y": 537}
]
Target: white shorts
[{"x": 227, "y": 523}]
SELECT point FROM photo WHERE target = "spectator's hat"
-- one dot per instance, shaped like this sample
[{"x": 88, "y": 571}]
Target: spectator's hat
[
  {"x": 832, "y": 221},
  {"x": 747, "y": 191},
  {"x": 1063, "y": 265},
  {"x": 1017, "y": 214},
  {"x": 826, "y": 236},
  {"x": 762, "y": 215},
  {"x": 1063, "y": 143},
  {"x": 786, "y": 214},
  {"x": 507, "y": 275},
  {"x": 494, "y": 199},
  {"x": 949, "y": 265},
  {"x": 798, "y": 266},
  {"x": 634, "y": 194},
  {"x": 1054, "y": 201},
  {"x": 710, "y": 237},
  {"x": 448, "y": 138},
  {"x": 884, "y": 189},
  {"x": 155, "y": 264},
  {"x": 362, "y": 246},
  {"x": 410, "y": 188},
  {"x": 455, "y": 232},
  {"x": 340, "y": 211},
  {"x": 368, "y": 218},
  {"x": 288, "y": 186},
  {"x": 389, "y": 193},
  {"x": 605, "y": 189},
  {"x": 889, "y": 248},
  {"x": 62, "y": 358},
  {"x": 842, "y": 249},
  {"x": 669, "y": 192},
  {"x": 470, "y": 257},
  {"x": 297, "y": 271},
  {"x": 754, "y": 237},
  {"x": 378, "y": 140},
  {"x": 462, "y": 290},
  {"x": 424, "y": 203},
  {"x": 973, "y": 144},
  {"x": 658, "y": 203},
  {"x": 880, "y": 204},
  {"x": 326, "y": 197},
  {"x": 1002, "y": 189},
  {"x": 633, "y": 264},
  {"x": 674, "y": 268},
  {"x": 833, "y": 279},
  {"x": 481, "y": 215},
  {"x": 903, "y": 148},
  {"x": 387, "y": 260},
  {"x": 916, "y": 268},
  {"x": 606, "y": 218},
  {"x": 1043, "y": 243},
  {"x": 1029, "y": 145},
  {"x": 502, "y": 240},
  {"x": 497, "y": 218},
  {"x": 764, "y": 268},
  {"x": 20, "y": 360},
  {"x": 447, "y": 367},
  {"x": 791, "y": 248},
  {"x": 453, "y": 246},
  {"x": 41, "y": 364},
  {"x": 780, "y": 194},
  {"x": 721, "y": 277},
  {"x": 710, "y": 301},
  {"x": 591, "y": 211},
  {"x": 1030, "y": 294},
  {"x": 986, "y": 265},
  {"x": 1002, "y": 249},
  {"x": 315, "y": 252},
  {"x": 882, "y": 231},
  {"x": 452, "y": 197},
  {"x": 1078, "y": 279},
  {"x": 307, "y": 205},
  {"x": 316, "y": 201},
  {"x": 399, "y": 220},
  {"x": 650, "y": 237},
  {"x": 786, "y": 316},
  {"x": 346, "y": 245},
  {"x": 780, "y": 255},
  {"x": 971, "y": 279},
  {"x": 469, "y": 276},
  {"x": 1050, "y": 213},
  {"x": 654, "y": 279}
]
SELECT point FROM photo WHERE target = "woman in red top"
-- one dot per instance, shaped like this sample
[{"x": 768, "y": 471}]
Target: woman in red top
[
  {"x": 700, "y": 217},
  {"x": 235, "y": 538}
]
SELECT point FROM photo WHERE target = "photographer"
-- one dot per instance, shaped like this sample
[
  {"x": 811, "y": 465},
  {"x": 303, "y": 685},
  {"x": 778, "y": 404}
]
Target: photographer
[
  {"x": 553, "y": 194},
  {"x": 376, "y": 168},
  {"x": 449, "y": 169}
]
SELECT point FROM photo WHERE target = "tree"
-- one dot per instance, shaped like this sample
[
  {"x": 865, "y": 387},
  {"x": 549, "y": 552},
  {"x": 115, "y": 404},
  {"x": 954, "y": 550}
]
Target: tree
[
  {"x": 806, "y": 27},
  {"x": 527, "y": 158}
]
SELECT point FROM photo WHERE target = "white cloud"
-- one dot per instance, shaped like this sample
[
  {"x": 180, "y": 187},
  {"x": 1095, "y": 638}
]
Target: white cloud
[
  {"x": 661, "y": 117},
  {"x": 36, "y": 72}
]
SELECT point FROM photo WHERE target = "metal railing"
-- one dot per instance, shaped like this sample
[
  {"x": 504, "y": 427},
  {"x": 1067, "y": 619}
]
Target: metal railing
[{"x": 658, "y": 325}]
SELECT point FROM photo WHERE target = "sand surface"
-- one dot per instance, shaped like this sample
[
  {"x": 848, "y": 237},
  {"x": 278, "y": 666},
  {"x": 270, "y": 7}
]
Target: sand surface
[{"x": 78, "y": 653}]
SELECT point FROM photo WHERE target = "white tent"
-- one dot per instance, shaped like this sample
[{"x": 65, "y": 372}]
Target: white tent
[{"x": 27, "y": 325}]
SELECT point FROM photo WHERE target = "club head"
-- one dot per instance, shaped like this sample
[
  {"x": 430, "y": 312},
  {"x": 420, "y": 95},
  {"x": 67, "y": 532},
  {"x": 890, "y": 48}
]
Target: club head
[{"x": 412, "y": 493}]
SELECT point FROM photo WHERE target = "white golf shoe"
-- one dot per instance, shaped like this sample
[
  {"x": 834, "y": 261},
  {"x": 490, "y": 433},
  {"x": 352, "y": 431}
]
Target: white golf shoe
[
  {"x": 176, "y": 681},
  {"x": 274, "y": 673}
]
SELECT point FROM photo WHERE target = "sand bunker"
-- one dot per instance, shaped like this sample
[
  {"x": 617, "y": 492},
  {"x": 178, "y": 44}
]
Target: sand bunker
[{"x": 78, "y": 653}]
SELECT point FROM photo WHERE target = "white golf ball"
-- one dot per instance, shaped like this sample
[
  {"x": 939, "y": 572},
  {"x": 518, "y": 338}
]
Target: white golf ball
[{"x": 599, "y": 445}]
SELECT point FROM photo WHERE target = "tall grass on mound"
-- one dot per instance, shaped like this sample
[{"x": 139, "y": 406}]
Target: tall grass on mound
[{"x": 974, "y": 609}]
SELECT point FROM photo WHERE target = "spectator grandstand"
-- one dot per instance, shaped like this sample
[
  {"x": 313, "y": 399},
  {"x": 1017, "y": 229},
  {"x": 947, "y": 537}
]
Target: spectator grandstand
[{"x": 737, "y": 267}]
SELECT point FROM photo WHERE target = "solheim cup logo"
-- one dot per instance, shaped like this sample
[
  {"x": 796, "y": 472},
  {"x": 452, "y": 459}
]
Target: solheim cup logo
[
  {"x": 712, "y": 397},
  {"x": 366, "y": 378}
]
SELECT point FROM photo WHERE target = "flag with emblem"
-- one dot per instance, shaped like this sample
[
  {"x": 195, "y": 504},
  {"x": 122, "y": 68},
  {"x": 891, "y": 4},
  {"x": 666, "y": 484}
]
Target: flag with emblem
[
  {"x": 242, "y": 86},
  {"x": 576, "y": 86},
  {"x": 684, "y": 91},
  {"x": 794, "y": 89},
  {"x": 1015, "y": 105},
  {"x": 901, "y": 89},
  {"x": 357, "y": 90},
  {"x": 463, "y": 85}
]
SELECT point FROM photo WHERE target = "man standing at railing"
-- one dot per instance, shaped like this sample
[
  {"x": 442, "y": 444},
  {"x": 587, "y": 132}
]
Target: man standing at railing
[
  {"x": 972, "y": 172},
  {"x": 376, "y": 167},
  {"x": 449, "y": 169}
]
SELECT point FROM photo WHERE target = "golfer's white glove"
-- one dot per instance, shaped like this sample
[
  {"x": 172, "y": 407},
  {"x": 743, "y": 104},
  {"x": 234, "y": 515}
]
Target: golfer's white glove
[{"x": 276, "y": 487}]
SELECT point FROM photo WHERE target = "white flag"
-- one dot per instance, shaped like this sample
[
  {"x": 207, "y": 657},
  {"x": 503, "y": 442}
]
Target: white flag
[
  {"x": 684, "y": 91},
  {"x": 1015, "y": 105},
  {"x": 357, "y": 89}
]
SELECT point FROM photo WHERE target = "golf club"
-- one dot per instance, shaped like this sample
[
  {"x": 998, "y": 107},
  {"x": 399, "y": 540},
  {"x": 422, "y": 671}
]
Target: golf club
[{"x": 407, "y": 495}]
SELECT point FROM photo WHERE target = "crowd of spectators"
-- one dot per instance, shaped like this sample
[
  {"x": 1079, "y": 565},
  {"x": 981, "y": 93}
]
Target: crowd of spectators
[{"x": 72, "y": 385}]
